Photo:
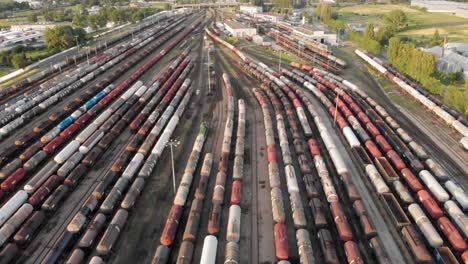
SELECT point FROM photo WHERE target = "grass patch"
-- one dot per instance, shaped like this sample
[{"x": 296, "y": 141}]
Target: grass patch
[
  {"x": 40, "y": 54},
  {"x": 229, "y": 65},
  {"x": 26, "y": 13},
  {"x": 420, "y": 23},
  {"x": 7, "y": 22},
  {"x": 74, "y": 8},
  {"x": 3, "y": 72},
  {"x": 273, "y": 56},
  {"x": 19, "y": 77},
  {"x": 392, "y": 92}
]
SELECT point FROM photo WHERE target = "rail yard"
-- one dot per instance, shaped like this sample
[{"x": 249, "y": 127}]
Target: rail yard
[{"x": 171, "y": 145}]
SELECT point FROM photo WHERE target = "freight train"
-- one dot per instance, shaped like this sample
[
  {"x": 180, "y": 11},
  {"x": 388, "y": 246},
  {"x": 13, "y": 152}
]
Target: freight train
[
  {"x": 93, "y": 95},
  {"x": 112, "y": 121},
  {"x": 266, "y": 75},
  {"x": 31, "y": 80},
  {"x": 430, "y": 176},
  {"x": 452, "y": 118},
  {"x": 372, "y": 128}
]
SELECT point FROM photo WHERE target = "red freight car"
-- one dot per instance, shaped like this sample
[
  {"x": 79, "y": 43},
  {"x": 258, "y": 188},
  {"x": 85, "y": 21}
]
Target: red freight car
[
  {"x": 236, "y": 194},
  {"x": 281, "y": 241},
  {"x": 342, "y": 226},
  {"x": 170, "y": 229},
  {"x": 452, "y": 234},
  {"x": 429, "y": 204},
  {"x": 352, "y": 253}
]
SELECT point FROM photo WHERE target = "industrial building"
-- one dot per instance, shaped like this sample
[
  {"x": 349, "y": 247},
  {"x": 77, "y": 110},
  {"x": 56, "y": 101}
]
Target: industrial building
[
  {"x": 40, "y": 26},
  {"x": 239, "y": 30},
  {"x": 451, "y": 58},
  {"x": 10, "y": 39},
  {"x": 251, "y": 10},
  {"x": 271, "y": 17}
]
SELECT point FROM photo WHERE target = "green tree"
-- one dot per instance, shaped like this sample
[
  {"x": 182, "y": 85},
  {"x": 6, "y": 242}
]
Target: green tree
[
  {"x": 324, "y": 11},
  {"x": 455, "y": 98},
  {"x": 63, "y": 37},
  {"x": 117, "y": 16},
  {"x": 32, "y": 17},
  {"x": 395, "y": 19},
  {"x": 96, "y": 21},
  {"x": 436, "y": 38},
  {"x": 79, "y": 21},
  {"x": 394, "y": 45},
  {"x": 136, "y": 16},
  {"x": 19, "y": 61},
  {"x": 369, "y": 33}
]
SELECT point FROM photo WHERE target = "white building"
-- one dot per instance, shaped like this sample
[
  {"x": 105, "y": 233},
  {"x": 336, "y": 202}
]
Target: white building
[
  {"x": 10, "y": 39},
  {"x": 93, "y": 10},
  {"x": 272, "y": 17},
  {"x": 451, "y": 58},
  {"x": 251, "y": 10},
  {"x": 40, "y": 26},
  {"x": 239, "y": 30},
  {"x": 32, "y": 3},
  {"x": 322, "y": 37}
]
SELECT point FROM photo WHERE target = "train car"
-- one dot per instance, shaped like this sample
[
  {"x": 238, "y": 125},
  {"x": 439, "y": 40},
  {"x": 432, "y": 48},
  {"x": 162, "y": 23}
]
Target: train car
[
  {"x": 344, "y": 231},
  {"x": 416, "y": 245},
  {"x": 352, "y": 253},
  {"x": 327, "y": 246}
]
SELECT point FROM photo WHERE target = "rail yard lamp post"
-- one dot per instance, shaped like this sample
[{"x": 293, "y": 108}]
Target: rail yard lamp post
[
  {"x": 279, "y": 63},
  {"x": 78, "y": 45},
  {"x": 173, "y": 144},
  {"x": 209, "y": 76}
]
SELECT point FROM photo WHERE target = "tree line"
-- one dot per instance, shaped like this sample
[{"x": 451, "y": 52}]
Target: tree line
[
  {"x": 57, "y": 39},
  {"x": 112, "y": 14},
  {"x": 17, "y": 57},
  {"x": 10, "y": 5},
  {"x": 329, "y": 16},
  {"x": 374, "y": 40},
  {"x": 421, "y": 66},
  {"x": 418, "y": 64}
]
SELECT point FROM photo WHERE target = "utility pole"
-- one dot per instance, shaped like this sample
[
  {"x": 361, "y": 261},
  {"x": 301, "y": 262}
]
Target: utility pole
[
  {"x": 277, "y": 38},
  {"x": 279, "y": 64},
  {"x": 78, "y": 45},
  {"x": 209, "y": 77},
  {"x": 173, "y": 144}
]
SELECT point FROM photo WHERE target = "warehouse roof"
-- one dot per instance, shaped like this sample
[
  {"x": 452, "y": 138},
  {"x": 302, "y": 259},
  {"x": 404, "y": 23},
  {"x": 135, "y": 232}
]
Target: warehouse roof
[{"x": 236, "y": 25}]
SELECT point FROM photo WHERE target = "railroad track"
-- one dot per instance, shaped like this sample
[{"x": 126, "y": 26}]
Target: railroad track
[
  {"x": 42, "y": 117},
  {"x": 68, "y": 217},
  {"x": 52, "y": 242},
  {"x": 122, "y": 138},
  {"x": 67, "y": 66},
  {"x": 423, "y": 138},
  {"x": 247, "y": 96},
  {"x": 126, "y": 76},
  {"x": 343, "y": 195},
  {"x": 354, "y": 222},
  {"x": 244, "y": 58}
]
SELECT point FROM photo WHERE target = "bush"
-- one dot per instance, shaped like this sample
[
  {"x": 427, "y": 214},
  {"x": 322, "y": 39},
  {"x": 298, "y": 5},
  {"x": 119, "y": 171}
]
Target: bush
[
  {"x": 369, "y": 45},
  {"x": 19, "y": 61},
  {"x": 63, "y": 37}
]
